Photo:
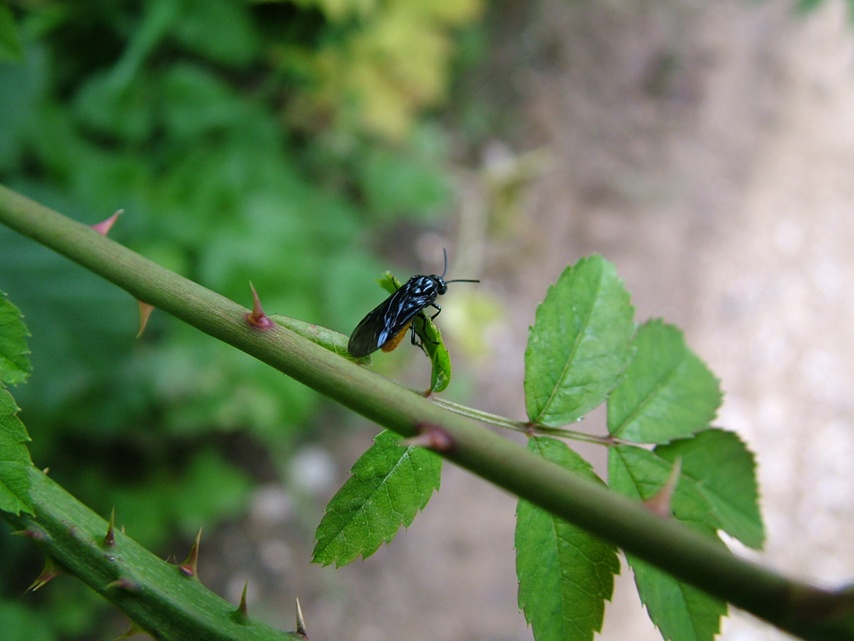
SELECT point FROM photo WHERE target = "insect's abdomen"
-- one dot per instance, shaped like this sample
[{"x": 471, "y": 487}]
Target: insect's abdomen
[{"x": 391, "y": 345}]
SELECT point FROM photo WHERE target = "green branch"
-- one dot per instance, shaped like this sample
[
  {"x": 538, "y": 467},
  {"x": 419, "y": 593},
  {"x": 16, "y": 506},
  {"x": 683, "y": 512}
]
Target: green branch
[
  {"x": 168, "y": 600},
  {"x": 801, "y": 609}
]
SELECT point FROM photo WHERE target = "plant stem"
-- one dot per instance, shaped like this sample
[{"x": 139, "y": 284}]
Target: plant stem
[
  {"x": 155, "y": 594},
  {"x": 688, "y": 555},
  {"x": 519, "y": 426},
  {"x": 484, "y": 417}
]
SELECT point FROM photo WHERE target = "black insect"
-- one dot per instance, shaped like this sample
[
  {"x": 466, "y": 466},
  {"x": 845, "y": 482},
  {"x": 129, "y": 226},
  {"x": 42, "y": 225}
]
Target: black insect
[{"x": 384, "y": 327}]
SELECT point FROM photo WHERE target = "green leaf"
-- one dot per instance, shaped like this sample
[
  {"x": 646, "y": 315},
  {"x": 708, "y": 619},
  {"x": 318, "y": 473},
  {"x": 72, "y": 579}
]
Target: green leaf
[
  {"x": 10, "y": 42},
  {"x": 14, "y": 368},
  {"x": 667, "y": 391},
  {"x": 14, "y": 360},
  {"x": 640, "y": 474},
  {"x": 14, "y": 459},
  {"x": 330, "y": 339},
  {"x": 388, "y": 485},
  {"x": 723, "y": 472},
  {"x": 196, "y": 101},
  {"x": 431, "y": 341},
  {"x": 112, "y": 108},
  {"x": 565, "y": 575},
  {"x": 579, "y": 345},
  {"x": 440, "y": 357},
  {"x": 680, "y": 611},
  {"x": 396, "y": 183},
  {"x": 219, "y": 30}
]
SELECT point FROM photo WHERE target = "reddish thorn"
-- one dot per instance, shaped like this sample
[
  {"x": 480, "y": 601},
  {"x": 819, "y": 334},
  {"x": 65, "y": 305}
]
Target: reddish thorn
[
  {"x": 431, "y": 436},
  {"x": 301, "y": 622},
  {"x": 104, "y": 226},
  {"x": 31, "y": 533},
  {"x": 144, "y": 312},
  {"x": 123, "y": 583},
  {"x": 257, "y": 318},
  {"x": 660, "y": 503},
  {"x": 49, "y": 573},
  {"x": 190, "y": 566},
  {"x": 110, "y": 537}
]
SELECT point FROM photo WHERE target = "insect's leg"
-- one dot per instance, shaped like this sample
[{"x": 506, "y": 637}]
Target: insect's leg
[
  {"x": 423, "y": 318},
  {"x": 438, "y": 310},
  {"x": 414, "y": 335}
]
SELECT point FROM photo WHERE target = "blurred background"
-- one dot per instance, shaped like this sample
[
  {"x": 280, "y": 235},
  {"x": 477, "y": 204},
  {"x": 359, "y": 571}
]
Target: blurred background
[{"x": 705, "y": 148}]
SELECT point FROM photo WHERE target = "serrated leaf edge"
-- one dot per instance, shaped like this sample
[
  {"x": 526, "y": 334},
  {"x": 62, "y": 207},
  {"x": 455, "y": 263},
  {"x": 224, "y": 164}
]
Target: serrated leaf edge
[
  {"x": 578, "y": 338},
  {"x": 383, "y": 484}
]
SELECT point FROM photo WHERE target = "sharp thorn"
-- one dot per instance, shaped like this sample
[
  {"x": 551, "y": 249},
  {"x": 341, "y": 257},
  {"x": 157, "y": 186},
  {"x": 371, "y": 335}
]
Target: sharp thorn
[
  {"x": 190, "y": 566},
  {"x": 123, "y": 583},
  {"x": 49, "y": 572},
  {"x": 300, "y": 622},
  {"x": 660, "y": 503},
  {"x": 243, "y": 608},
  {"x": 433, "y": 437},
  {"x": 110, "y": 537},
  {"x": 104, "y": 226},
  {"x": 257, "y": 318},
  {"x": 144, "y": 312}
]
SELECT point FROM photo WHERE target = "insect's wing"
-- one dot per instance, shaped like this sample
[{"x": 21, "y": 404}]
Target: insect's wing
[
  {"x": 365, "y": 339},
  {"x": 386, "y": 321}
]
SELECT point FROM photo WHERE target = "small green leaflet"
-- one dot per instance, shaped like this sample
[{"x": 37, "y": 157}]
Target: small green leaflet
[
  {"x": 388, "y": 485},
  {"x": 565, "y": 575},
  {"x": 681, "y": 612},
  {"x": 431, "y": 339},
  {"x": 667, "y": 392},
  {"x": 331, "y": 340},
  {"x": 579, "y": 345},
  {"x": 14, "y": 456},
  {"x": 14, "y": 355},
  {"x": 640, "y": 474},
  {"x": 15, "y": 460},
  {"x": 723, "y": 472}
]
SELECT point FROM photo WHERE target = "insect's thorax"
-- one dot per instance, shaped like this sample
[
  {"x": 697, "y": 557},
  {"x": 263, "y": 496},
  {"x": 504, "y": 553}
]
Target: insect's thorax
[{"x": 425, "y": 287}]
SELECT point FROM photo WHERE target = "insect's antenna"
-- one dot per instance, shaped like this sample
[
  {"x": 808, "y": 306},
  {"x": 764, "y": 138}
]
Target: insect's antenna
[{"x": 445, "y": 271}]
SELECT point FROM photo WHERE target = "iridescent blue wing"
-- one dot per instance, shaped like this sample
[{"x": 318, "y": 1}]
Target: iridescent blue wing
[{"x": 392, "y": 316}]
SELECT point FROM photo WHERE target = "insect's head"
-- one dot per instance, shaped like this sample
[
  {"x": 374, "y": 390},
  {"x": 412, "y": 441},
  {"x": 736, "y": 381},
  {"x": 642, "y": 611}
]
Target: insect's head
[{"x": 441, "y": 285}]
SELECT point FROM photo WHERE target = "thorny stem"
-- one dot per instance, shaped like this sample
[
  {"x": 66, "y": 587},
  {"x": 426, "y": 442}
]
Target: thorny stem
[{"x": 814, "y": 613}]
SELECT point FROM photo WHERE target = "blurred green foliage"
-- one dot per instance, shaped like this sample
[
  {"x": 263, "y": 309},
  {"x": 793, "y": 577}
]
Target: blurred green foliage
[
  {"x": 245, "y": 140},
  {"x": 810, "y": 5}
]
